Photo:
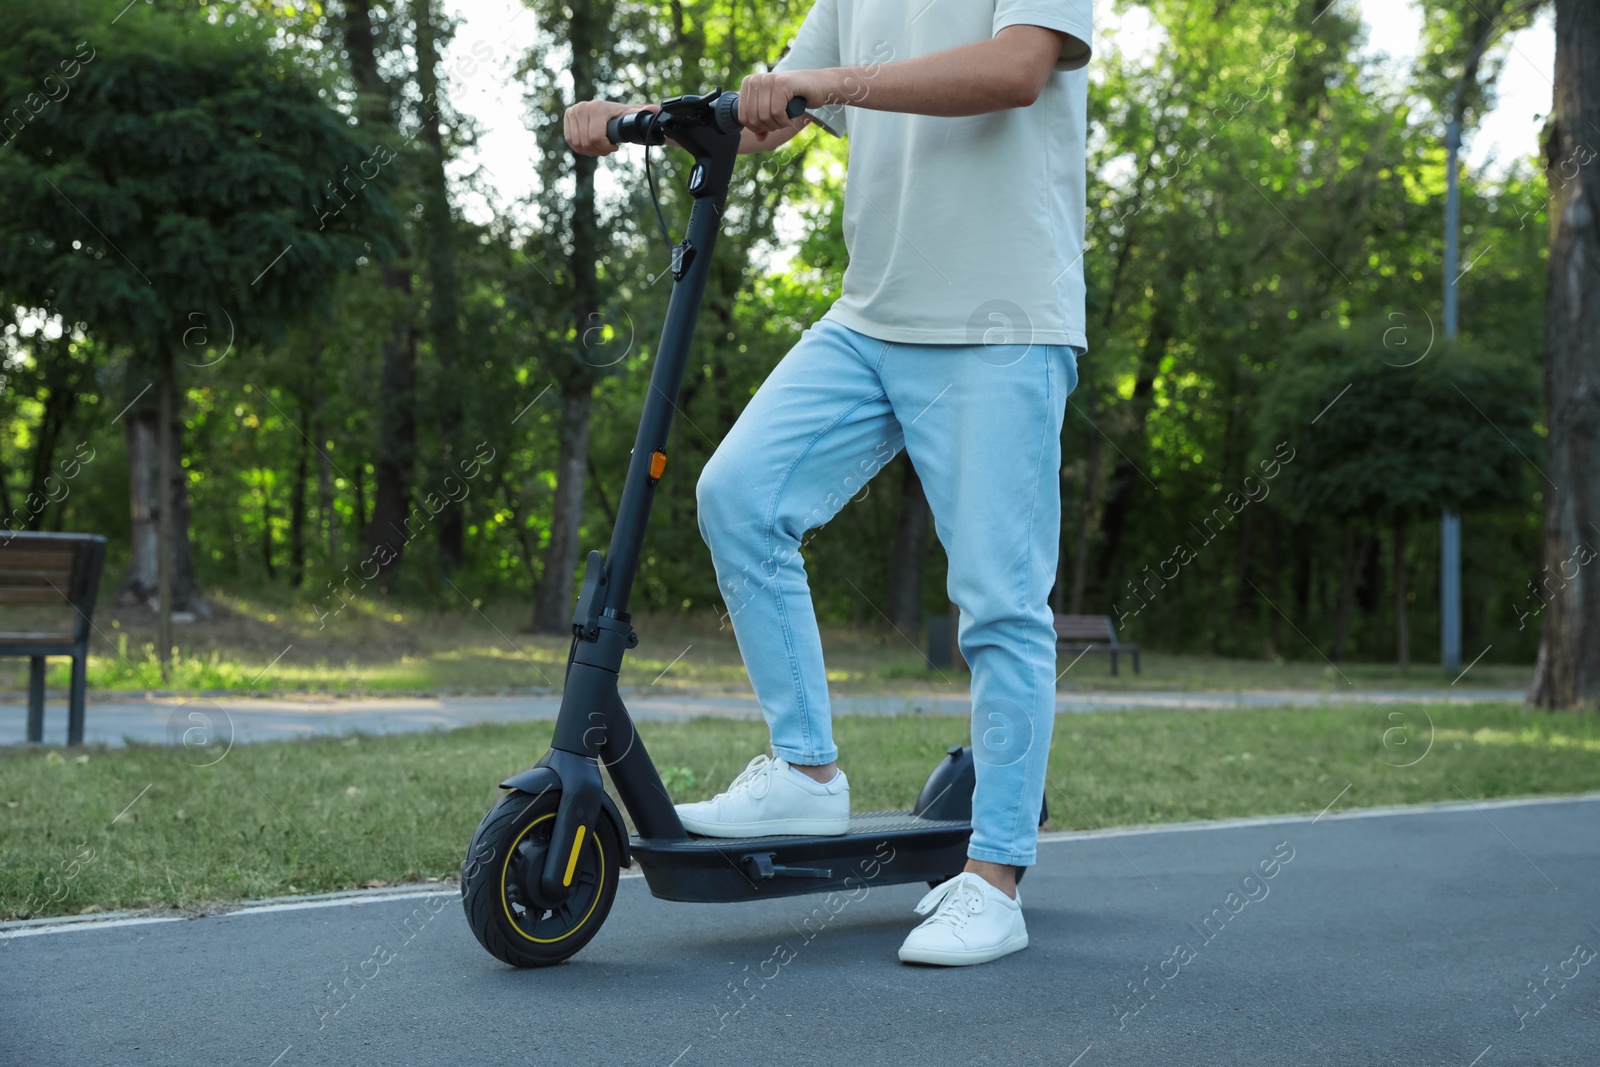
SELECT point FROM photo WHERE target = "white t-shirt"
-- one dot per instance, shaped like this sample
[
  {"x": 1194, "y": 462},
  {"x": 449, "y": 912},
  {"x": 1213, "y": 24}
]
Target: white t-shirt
[{"x": 963, "y": 230}]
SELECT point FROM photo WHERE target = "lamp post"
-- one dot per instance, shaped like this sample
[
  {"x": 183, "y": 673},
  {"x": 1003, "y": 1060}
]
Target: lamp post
[{"x": 1450, "y": 522}]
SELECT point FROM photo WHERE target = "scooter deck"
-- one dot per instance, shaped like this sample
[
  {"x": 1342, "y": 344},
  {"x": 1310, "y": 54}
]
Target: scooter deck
[{"x": 881, "y": 848}]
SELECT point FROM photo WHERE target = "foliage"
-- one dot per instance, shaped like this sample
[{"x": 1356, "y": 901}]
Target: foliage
[
  {"x": 1383, "y": 439},
  {"x": 188, "y": 171},
  {"x": 1265, "y": 217}
]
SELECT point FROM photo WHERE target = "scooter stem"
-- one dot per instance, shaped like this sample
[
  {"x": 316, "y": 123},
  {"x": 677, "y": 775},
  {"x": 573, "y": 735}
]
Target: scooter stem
[
  {"x": 593, "y": 724},
  {"x": 714, "y": 153}
]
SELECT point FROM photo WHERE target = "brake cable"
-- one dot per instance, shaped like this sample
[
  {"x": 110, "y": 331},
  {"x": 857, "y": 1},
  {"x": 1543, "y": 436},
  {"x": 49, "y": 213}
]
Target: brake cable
[{"x": 661, "y": 219}]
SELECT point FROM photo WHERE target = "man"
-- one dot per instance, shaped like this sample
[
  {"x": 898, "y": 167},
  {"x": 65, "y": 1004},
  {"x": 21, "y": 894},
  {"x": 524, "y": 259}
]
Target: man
[{"x": 956, "y": 336}]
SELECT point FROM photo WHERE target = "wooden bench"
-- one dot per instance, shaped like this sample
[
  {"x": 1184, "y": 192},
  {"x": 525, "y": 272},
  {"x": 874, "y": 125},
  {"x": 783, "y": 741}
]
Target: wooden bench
[
  {"x": 1092, "y": 633},
  {"x": 59, "y": 571}
]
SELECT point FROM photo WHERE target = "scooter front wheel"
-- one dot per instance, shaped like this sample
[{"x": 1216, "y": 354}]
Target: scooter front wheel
[{"x": 500, "y": 883}]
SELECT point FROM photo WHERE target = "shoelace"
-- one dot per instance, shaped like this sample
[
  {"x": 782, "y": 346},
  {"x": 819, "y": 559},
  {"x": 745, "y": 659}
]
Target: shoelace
[
  {"x": 956, "y": 900},
  {"x": 757, "y": 771}
]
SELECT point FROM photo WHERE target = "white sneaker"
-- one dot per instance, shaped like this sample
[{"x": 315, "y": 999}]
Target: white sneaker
[
  {"x": 974, "y": 923},
  {"x": 770, "y": 797}
]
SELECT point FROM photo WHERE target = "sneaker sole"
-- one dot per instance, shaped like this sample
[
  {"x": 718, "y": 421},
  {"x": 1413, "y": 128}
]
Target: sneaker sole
[
  {"x": 942, "y": 958},
  {"x": 769, "y": 828}
]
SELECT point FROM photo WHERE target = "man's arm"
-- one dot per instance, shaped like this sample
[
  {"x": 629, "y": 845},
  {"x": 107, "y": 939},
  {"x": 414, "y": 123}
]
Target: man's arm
[
  {"x": 584, "y": 124},
  {"x": 1008, "y": 70}
]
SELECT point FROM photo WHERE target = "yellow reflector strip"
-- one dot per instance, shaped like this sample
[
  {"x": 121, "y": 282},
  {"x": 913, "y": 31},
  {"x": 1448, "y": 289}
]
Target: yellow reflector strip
[
  {"x": 572, "y": 860},
  {"x": 658, "y": 463}
]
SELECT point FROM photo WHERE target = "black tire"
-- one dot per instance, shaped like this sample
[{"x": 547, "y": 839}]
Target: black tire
[
  {"x": 935, "y": 885},
  {"x": 505, "y": 858}
]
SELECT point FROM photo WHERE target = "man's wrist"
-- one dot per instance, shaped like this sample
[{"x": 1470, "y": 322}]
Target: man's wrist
[
  {"x": 849, "y": 85},
  {"x": 836, "y": 86}
]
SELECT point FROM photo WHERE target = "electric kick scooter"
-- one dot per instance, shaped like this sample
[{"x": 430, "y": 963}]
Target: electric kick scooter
[{"x": 541, "y": 872}]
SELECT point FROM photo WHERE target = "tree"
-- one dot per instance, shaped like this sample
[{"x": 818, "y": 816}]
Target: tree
[
  {"x": 395, "y": 465},
  {"x": 1373, "y": 441},
  {"x": 903, "y": 601},
  {"x": 59, "y": 375},
  {"x": 1252, "y": 177},
  {"x": 578, "y": 250},
  {"x": 191, "y": 177},
  {"x": 444, "y": 285},
  {"x": 1567, "y": 672},
  {"x": 1244, "y": 119}
]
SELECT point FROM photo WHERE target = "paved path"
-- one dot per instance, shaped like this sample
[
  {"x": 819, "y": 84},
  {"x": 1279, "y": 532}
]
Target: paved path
[
  {"x": 113, "y": 719},
  {"x": 1415, "y": 937}
]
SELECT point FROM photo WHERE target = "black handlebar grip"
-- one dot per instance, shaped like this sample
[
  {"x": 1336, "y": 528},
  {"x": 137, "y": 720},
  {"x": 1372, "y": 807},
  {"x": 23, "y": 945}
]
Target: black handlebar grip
[
  {"x": 725, "y": 114},
  {"x": 727, "y": 111}
]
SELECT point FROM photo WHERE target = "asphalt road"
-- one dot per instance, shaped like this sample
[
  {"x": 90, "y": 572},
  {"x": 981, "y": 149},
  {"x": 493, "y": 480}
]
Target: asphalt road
[
  {"x": 1410, "y": 938},
  {"x": 113, "y": 719}
]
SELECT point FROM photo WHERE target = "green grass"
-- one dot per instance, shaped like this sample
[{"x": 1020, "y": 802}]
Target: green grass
[
  {"x": 337, "y": 814},
  {"x": 378, "y": 647}
]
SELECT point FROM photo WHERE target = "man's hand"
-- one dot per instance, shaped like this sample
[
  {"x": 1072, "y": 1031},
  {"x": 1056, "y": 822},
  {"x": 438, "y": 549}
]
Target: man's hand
[
  {"x": 584, "y": 125},
  {"x": 764, "y": 98}
]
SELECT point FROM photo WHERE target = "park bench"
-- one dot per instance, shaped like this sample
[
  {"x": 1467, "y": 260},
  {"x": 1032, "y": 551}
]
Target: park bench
[
  {"x": 50, "y": 570},
  {"x": 1092, "y": 633}
]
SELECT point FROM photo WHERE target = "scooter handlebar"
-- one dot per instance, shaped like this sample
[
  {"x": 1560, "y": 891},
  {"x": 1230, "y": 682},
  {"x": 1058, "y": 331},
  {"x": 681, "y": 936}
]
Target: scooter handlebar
[{"x": 646, "y": 128}]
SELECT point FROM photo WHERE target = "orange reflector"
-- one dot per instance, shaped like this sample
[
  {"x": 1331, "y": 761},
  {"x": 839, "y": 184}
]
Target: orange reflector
[{"x": 658, "y": 463}]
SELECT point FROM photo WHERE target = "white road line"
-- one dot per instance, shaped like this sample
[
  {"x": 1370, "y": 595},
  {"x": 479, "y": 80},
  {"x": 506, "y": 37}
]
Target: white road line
[
  {"x": 104, "y": 924},
  {"x": 1441, "y": 807},
  {"x": 332, "y": 900},
  {"x": 35, "y": 927}
]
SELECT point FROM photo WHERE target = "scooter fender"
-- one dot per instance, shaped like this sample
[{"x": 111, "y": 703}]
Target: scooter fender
[{"x": 542, "y": 777}]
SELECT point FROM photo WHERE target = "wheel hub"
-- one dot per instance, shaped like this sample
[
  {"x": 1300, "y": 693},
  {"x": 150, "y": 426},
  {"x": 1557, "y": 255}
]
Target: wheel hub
[{"x": 522, "y": 880}]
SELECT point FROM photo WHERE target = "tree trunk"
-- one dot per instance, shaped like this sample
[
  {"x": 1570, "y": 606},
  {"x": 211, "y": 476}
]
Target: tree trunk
[
  {"x": 63, "y": 385},
  {"x": 1357, "y": 549},
  {"x": 297, "y": 506},
  {"x": 142, "y": 431},
  {"x": 361, "y": 496},
  {"x": 1402, "y": 633},
  {"x": 552, "y": 606},
  {"x": 395, "y": 464},
  {"x": 328, "y": 516},
  {"x": 166, "y": 442},
  {"x": 1567, "y": 673},
  {"x": 528, "y": 550},
  {"x": 443, "y": 280},
  {"x": 588, "y": 30},
  {"x": 600, "y": 491},
  {"x": 1242, "y": 593},
  {"x": 327, "y": 526},
  {"x": 1304, "y": 570},
  {"x": 1272, "y": 572},
  {"x": 1088, "y": 522},
  {"x": 904, "y": 600},
  {"x": 268, "y": 549},
  {"x": 140, "y": 426},
  {"x": 1126, "y": 475},
  {"x": 362, "y": 51}
]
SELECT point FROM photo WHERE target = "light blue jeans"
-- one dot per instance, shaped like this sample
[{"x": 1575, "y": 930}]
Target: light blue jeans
[{"x": 982, "y": 425}]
